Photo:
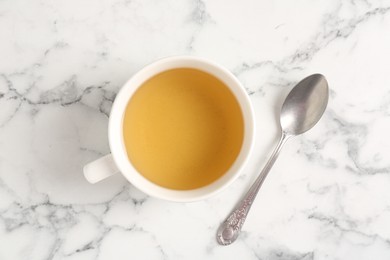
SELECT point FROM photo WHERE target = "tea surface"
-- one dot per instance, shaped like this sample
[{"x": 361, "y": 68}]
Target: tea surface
[{"x": 183, "y": 129}]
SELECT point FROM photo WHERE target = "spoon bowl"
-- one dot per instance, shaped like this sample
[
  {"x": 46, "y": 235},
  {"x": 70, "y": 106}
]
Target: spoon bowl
[{"x": 304, "y": 105}]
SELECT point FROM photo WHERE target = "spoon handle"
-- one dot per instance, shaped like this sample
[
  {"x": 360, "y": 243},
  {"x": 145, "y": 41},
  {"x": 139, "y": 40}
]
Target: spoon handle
[{"x": 231, "y": 227}]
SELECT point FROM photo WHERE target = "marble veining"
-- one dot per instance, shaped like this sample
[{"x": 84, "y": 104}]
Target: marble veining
[{"x": 62, "y": 63}]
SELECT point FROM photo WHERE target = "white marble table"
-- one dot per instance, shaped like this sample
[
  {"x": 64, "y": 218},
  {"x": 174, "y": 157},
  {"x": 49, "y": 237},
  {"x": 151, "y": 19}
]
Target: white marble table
[{"x": 62, "y": 62}]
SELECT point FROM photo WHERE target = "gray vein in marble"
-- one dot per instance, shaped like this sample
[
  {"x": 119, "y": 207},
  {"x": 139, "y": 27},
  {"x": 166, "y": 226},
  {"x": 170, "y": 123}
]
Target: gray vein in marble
[
  {"x": 278, "y": 67},
  {"x": 366, "y": 2},
  {"x": 244, "y": 67},
  {"x": 200, "y": 17},
  {"x": 65, "y": 94},
  {"x": 278, "y": 253},
  {"x": 355, "y": 135},
  {"x": 8, "y": 190},
  {"x": 86, "y": 247},
  {"x": 348, "y": 227},
  {"x": 54, "y": 249},
  {"x": 312, "y": 151},
  {"x": 334, "y": 28},
  {"x": 11, "y": 116},
  {"x": 56, "y": 46},
  {"x": 64, "y": 216},
  {"x": 19, "y": 214},
  {"x": 92, "y": 151},
  {"x": 320, "y": 191},
  {"x": 95, "y": 244}
]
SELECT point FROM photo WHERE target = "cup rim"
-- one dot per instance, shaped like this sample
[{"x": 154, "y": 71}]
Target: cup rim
[{"x": 115, "y": 129}]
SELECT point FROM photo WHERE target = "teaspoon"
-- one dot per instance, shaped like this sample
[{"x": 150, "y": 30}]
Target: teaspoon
[{"x": 301, "y": 110}]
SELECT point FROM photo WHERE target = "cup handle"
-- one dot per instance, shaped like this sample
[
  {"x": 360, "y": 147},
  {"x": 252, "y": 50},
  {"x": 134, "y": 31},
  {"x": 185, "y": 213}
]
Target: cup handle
[{"x": 100, "y": 169}]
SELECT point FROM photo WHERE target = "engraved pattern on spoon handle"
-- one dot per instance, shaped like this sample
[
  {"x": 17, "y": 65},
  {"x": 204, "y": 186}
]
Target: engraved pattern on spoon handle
[{"x": 236, "y": 219}]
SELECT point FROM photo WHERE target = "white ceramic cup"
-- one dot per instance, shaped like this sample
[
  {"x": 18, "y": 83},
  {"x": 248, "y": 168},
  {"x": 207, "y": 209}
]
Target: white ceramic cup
[{"x": 118, "y": 161}]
